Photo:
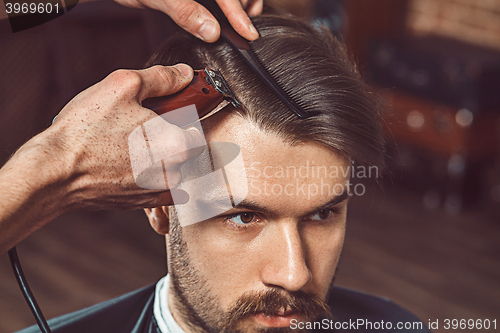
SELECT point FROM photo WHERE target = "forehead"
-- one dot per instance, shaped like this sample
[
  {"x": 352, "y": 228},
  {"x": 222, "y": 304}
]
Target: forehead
[
  {"x": 281, "y": 176},
  {"x": 267, "y": 148}
]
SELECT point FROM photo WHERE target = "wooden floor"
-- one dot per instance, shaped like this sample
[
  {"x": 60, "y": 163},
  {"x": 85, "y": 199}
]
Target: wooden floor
[{"x": 435, "y": 265}]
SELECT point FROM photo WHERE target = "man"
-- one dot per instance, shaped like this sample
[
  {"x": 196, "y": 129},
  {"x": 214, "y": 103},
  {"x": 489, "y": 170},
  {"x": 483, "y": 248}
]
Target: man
[{"x": 268, "y": 264}]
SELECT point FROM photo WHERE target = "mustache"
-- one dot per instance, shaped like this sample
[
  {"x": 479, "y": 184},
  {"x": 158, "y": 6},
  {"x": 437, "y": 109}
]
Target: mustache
[{"x": 275, "y": 300}]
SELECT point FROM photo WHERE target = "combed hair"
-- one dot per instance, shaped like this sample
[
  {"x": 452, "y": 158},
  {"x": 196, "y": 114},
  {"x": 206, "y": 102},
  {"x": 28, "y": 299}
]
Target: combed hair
[{"x": 309, "y": 63}]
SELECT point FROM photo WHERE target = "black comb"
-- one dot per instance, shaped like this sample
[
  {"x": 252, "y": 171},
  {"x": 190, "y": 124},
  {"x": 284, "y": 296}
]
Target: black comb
[{"x": 243, "y": 48}]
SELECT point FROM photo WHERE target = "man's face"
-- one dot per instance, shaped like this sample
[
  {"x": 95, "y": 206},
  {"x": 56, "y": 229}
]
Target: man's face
[{"x": 273, "y": 257}]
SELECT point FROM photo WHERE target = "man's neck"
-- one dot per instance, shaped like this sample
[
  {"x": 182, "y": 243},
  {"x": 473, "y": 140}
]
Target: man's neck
[{"x": 174, "y": 306}]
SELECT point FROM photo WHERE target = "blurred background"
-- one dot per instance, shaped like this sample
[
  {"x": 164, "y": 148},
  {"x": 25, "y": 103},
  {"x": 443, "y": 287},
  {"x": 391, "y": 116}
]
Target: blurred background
[{"x": 427, "y": 238}]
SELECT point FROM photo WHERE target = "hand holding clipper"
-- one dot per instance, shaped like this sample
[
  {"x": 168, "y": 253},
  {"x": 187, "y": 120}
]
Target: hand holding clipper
[{"x": 208, "y": 91}]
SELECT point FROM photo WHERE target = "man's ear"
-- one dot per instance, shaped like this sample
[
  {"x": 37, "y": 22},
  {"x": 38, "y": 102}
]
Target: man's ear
[{"x": 159, "y": 219}]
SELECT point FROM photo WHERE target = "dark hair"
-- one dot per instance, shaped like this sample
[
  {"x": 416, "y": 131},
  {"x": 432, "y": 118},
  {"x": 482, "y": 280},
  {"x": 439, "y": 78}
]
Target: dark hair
[{"x": 312, "y": 65}]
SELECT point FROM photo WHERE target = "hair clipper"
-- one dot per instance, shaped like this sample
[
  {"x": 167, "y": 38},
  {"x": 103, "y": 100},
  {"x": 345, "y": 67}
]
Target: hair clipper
[{"x": 208, "y": 91}]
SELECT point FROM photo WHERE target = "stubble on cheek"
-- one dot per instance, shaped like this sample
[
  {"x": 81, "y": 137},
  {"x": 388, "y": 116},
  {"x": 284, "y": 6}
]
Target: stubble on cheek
[
  {"x": 198, "y": 308},
  {"x": 193, "y": 303}
]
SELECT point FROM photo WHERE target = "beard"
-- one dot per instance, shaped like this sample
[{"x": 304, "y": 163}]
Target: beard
[{"x": 201, "y": 310}]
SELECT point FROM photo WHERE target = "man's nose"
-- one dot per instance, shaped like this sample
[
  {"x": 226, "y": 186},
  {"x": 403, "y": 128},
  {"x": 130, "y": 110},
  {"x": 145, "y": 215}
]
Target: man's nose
[{"x": 284, "y": 259}]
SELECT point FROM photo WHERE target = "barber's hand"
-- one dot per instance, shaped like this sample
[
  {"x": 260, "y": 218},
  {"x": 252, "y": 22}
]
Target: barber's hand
[
  {"x": 197, "y": 20},
  {"x": 93, "y": 130},
  {"x": 82, "y": 161}
]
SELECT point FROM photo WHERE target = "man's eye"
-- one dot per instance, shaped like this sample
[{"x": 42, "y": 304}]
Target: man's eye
[
  {"x": 243, "y": 218},
  {"x": 322, "y": 215}
]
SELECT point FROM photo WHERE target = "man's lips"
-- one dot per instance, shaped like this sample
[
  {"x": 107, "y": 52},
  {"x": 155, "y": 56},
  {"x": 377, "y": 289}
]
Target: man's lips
[{"x": 278, "y": 319}]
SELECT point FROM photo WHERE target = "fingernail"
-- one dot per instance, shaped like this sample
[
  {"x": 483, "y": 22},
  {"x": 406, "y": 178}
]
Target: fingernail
[
  {"x": 207, "y": 30},
  {"x": 253, "y": 30},
  {"x": 184, "y": 69}
]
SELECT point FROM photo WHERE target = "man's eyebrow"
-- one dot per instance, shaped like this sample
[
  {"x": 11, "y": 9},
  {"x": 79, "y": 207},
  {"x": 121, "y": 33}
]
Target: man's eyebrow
[
  {"x": 335, "y": 201},
  {"x": 254, "y": 206},
  {"x": 251, "y": 205}
]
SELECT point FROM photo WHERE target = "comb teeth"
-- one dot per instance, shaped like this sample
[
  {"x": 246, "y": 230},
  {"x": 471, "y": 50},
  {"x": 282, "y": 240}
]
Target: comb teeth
[
  {"x": 241, "y": 46},
  {"x": 288, "y": 97}
]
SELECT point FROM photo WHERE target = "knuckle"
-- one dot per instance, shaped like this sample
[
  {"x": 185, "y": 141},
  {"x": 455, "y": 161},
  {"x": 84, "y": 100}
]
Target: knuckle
[
  {"x": 150, "y": 200},
  {"x": 146, "y": 201},
  {"x": 127, "y": 80},
  {"x": 168, "y": 75},
  {"x": 187, "y": 13}
]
